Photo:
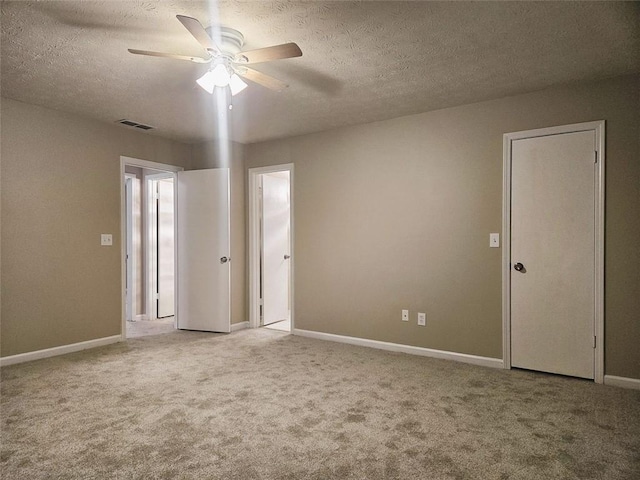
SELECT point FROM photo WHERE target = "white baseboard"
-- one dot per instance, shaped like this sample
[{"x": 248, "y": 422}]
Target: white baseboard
[
  {"x": 624, "y": 382},
  {"x": 140, "y": 317},
  {"x": 397, "y": 347},
  {"x": 55, "y": 351},
  {"x": 239, "y": 326}
]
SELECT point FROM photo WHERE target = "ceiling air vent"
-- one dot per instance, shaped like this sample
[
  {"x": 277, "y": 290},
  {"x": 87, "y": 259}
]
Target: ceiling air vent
[{"x": 129, "y": 123}]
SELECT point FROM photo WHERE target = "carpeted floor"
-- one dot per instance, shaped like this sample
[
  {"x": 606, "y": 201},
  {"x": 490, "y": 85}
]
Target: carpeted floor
[
  {"x": 262, "y": 404},
  {"x": 143, "y": 328}
]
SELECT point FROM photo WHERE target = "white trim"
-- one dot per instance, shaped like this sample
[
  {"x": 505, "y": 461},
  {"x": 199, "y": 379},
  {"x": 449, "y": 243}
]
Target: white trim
[
  {"x": 506, "y": 252},
  {"x": 134, "y": 162},
  {"x": 239, "y": 326},
  {"x": 55, "y": 351},
  {"x": 599, "y": 130},
  {"x": 162, "y": 167},
  {"x": 254, "y": 241},
  {"x": 623, "y": 382},
  {"x": 397, "y": 347}
]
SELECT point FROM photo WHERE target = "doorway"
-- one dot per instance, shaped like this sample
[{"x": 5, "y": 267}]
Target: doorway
[
  {"x": 270, "y": 247},
  {"x": 148, "y": 247},
  {"x": 199, "y": 292},
  {"x": 553, "y": 270},
  {"x": 161, "y": 224}
]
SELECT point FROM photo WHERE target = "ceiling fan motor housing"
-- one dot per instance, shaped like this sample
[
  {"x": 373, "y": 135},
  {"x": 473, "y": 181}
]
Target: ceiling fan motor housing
[{"x": 228, "y": 39}]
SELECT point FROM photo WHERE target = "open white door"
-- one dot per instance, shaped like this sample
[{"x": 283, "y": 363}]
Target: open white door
[
  {"x": 203, "y": 248},
  {"x": 166, "y": 248},
  {"x": 276, "y": 251}
]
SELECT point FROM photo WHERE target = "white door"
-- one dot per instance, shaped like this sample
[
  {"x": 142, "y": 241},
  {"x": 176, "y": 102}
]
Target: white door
[
  {"x": 166, "y": 252},
  {"x": 275, "y": 247},
  {"x": 553, "y": 253},
  {"x": 202, "y": 214}
]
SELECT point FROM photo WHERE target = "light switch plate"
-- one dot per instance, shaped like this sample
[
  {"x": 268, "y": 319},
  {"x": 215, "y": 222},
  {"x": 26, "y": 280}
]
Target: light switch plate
[
  {"x": 494, "y": 240},
  {"x": 106, "y": 239},
  {"x": 422, "y": 319}
]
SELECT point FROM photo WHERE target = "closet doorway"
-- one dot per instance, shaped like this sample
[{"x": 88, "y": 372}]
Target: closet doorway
[{"x": 270, "y": 249}]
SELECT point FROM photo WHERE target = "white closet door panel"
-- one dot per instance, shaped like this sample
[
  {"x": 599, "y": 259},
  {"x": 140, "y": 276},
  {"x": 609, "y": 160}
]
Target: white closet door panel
[{"x": 553, "y": 237}]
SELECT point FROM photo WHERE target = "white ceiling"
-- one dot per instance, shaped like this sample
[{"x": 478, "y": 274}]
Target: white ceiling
[{"x": 362, "y": 61}]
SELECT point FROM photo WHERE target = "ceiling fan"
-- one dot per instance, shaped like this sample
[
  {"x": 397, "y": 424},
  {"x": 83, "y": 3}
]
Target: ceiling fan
[{"x": 227, "y": 59}]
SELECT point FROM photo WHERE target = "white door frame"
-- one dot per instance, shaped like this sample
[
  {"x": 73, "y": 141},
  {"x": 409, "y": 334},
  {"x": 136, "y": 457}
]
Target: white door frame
[
  {"x": 599, "y": 160},
  {"x": 134, "y": 162},
  {"x": 254, "y": 241}
]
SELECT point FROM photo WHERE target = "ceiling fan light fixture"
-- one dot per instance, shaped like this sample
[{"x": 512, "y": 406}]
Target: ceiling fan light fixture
[
  {"x": 236, "y": 84},
  {"x": 216, "y": 77},
  {"x": 220, "y": 75},
  {"x": 206, "y": 82}
]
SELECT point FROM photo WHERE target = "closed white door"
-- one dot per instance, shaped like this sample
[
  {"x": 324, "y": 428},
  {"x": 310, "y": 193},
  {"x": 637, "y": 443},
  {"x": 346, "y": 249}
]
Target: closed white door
[
  {"x": 166, "y": 252},
  {"x": 203, "y": 250},
  {"x": 275, "y": 251},
  {"x": 553, "y": 253}
]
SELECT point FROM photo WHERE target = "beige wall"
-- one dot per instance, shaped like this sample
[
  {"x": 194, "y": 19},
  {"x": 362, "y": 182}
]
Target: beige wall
[
  {"x": 60, "y": 191},
  {"x": 388, "y": 215},
  {"x": 231, "y": 155},
  {"x": 397, "y": 214}
]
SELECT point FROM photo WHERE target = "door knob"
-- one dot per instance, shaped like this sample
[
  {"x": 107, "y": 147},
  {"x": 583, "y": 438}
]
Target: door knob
[
  {"x": 287, "y": 257},
  {"x": 518, "y": 267},
  {"x": 224, "y": 259}
]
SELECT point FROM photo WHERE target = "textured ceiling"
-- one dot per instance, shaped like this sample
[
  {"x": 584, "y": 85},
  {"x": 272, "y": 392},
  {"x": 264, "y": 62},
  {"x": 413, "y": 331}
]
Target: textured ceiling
[{"x": 362, "y": 61}]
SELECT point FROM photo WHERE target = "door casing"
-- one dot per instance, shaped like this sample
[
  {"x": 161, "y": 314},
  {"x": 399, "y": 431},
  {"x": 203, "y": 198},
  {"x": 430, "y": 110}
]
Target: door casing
[
  {"x": 598, "y": 128},
  {"x": 255, "y": 242}
]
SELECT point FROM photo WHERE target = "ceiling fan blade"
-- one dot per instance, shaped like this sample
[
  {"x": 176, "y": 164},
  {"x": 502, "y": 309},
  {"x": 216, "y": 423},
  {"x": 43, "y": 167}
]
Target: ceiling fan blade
[
  {"x": 277, "y": 52},
  {"x": 169, "y": 55},
  {"x": 262, "y": 79},
  {"x": 197, "y": 30}
]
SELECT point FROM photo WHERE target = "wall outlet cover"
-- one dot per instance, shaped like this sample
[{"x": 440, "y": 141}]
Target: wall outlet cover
[
  {"x": 494, "y": 240},
  {"x": 106, "y": 239},
  {"x": 422, "y": 319}
]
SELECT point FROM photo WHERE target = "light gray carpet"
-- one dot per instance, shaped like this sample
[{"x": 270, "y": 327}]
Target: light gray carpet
[
  {"x": 143, "y": 328},
  {"x": 261, "y": 404}
]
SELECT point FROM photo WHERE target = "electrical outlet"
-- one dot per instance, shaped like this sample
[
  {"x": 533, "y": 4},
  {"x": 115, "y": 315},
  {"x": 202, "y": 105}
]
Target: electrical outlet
[
  {"x": 422, "y": 319},
  {"x": 106, "y": 239},
  {"x": 405, "y": 315}
]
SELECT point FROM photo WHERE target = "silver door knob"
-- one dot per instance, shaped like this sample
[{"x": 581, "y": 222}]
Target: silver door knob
[
  {"x": 518, "y": 267},
  {"x": 224, "y": 259},
  {"x": 287, "y": 257}
]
